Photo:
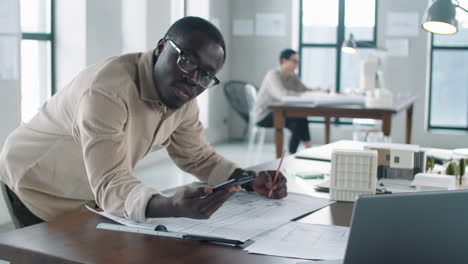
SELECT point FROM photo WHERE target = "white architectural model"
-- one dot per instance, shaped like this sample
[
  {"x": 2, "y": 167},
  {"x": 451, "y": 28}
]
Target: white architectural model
[
  {"x": 353, "y": 172},
  {"x": 398, "y": 161}
]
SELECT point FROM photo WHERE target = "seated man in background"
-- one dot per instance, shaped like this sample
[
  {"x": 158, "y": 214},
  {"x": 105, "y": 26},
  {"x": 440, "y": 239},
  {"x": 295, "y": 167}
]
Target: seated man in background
[
  {"x": 83, "y": 145},
  {"x": 277, "y": 84}
]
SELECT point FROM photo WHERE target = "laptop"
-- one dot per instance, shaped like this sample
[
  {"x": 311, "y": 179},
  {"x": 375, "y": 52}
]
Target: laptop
[{"x": 410, "y": 228}]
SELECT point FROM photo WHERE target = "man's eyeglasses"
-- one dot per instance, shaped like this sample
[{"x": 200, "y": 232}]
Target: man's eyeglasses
[
  {"x": 188, "y": 64},
  {"x": 295, "y": 61}
]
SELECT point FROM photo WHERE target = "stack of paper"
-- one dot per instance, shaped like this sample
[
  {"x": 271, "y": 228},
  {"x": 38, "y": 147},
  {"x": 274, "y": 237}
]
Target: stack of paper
[
  {"x": 243, "y": 216},
  {"x": 325, "y": 99}
]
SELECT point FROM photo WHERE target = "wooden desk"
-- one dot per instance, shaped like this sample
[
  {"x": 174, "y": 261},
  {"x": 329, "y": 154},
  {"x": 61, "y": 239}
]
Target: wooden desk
[
  {"x": 283, "y": 110},
  {"x": 75, "y": 239}
]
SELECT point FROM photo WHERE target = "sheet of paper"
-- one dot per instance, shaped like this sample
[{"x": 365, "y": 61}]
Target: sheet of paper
[
  {"x": 325, "y": 152},
  {"x": 124, "y": 221},
  {"x": 242, "y": 217},
  {"x": 441, "y": 181},
  {"x": 393, "y": 146},
  {"x": 397, "y": 47},
  {"x": 270, "y": 24},
  {"x": 300, "y": 240},
  {"x": 246, "y": 215},
  {"x": 242, "y": 27},
  {"x": 402, "y": 24},
  {"x": 443, "y": 154},
  {"x": 9, "y": 13},
  {"x": 8, "y": 57}
]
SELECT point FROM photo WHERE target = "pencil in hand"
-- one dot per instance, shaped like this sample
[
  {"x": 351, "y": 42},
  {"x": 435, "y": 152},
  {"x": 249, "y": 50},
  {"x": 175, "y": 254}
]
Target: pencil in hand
[{"x": 277, "y": 174}]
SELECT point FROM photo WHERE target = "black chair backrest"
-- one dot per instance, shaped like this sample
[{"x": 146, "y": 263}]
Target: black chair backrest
[{"x": 241, "y": 96}]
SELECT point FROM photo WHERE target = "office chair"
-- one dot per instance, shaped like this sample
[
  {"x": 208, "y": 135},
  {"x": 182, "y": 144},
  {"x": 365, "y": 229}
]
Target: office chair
[
  {"x": 15, "y": 221},
  {"x": 242, "y": 96}
]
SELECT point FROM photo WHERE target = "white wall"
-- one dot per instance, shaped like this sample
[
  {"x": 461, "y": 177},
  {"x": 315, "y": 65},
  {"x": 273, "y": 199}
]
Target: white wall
[
  {"x": 218, "y": 106},
  {"x": 10, "y": 116},
  {"x": 86, "y": 32},
  {"x": 157, "y": 22},
  {"x": 10, "y": 108},
  {"x": 103, "y": 30},
  {"x": 70, "y": 40},
  {"x": 134, "y": 26}
]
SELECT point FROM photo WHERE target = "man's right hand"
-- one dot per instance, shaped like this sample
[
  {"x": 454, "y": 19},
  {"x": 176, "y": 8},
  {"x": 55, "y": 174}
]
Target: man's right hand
[{"x": 189, "y": 201}]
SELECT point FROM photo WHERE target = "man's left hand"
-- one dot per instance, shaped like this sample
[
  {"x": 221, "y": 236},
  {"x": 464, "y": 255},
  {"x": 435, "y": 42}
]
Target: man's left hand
[{"x": 264, "y": 183}]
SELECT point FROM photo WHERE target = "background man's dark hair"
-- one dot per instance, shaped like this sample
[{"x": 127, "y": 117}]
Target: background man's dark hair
[
  {"x": 189, "y": 24},
  {"x": 286, "y": 54}
]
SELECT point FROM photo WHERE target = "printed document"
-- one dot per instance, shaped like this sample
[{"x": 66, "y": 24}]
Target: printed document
[
  {"x": 243, "y": 216},
  {"x": 301, "y": 240}
]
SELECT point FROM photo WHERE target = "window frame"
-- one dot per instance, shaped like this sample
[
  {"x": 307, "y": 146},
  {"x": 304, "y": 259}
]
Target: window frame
[
  {"x": 340, "y": 38},
  {"x": 48, "y": 37},
  {"x": 337, "y": 45},
  {"x": 431, "y": 67}
]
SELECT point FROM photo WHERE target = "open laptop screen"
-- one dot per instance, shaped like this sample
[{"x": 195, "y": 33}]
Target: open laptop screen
[{"x": 424, "y": 227}]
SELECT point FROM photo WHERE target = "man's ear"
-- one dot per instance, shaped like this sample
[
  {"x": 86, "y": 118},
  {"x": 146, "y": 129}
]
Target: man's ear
[{"x": 159, "y": 47}]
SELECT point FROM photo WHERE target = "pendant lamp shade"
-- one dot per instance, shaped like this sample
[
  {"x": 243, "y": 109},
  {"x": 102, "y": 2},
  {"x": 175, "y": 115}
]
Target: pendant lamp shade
[{"x": 440, "y": 18}]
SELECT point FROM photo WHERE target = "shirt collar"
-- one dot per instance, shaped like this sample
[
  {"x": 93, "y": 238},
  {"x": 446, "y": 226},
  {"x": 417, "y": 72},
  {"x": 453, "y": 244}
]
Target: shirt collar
[{"x": 147, "y": 86}]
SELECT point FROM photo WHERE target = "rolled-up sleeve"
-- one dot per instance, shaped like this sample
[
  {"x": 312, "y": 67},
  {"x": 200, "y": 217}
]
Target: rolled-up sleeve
[
  {"x": 100, "y": 129},
  {"x": 191, "y": 152}
]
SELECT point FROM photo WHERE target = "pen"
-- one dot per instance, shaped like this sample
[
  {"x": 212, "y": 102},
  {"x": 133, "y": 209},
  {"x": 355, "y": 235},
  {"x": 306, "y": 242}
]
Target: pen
[{"x": 277, "y": 173}]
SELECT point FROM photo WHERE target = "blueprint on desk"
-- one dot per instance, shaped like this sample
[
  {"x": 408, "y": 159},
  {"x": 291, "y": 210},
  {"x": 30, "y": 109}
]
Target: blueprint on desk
[
  {"x": 242, "y": 217},
  {"x": 301, "y": 240}
]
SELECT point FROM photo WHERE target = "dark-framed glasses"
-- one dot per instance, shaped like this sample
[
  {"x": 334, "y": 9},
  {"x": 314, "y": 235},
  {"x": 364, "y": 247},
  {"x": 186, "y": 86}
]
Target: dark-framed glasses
[
  {"x": 296, "y": 61},
  {"x": 188, "y": 64}
]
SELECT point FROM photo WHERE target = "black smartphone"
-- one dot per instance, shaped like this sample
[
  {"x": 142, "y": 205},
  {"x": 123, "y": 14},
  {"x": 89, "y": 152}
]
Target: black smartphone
[{"x": 245, "y": 178}]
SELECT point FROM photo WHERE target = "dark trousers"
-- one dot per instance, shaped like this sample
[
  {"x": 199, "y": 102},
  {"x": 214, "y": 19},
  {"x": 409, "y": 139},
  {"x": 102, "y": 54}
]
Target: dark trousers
[
  {"x": 21, "y": 212},
  {"x": 299, "y": 128}
]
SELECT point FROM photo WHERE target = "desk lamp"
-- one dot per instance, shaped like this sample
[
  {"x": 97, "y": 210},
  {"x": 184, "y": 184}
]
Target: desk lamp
[
  {"x": 439, "y": 17},
  {"x": 350, "y": 44}
]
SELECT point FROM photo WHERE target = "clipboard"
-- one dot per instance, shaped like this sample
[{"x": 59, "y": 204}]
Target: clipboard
[
  {"x": 157, "y": 230},
  {"x": 162, "y": 231}
]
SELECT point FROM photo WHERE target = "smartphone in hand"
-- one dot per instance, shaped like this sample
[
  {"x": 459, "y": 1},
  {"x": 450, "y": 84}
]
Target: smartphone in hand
[{"x": 244, "y": 178}]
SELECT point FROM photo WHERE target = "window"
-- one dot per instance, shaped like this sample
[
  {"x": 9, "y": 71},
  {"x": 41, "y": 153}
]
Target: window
[
  {"x": 177, "y": 10},
  {"x": 37, "y": 55},
  {"x": 448, "y": 95},
  {"x": 323, "y": 27}
]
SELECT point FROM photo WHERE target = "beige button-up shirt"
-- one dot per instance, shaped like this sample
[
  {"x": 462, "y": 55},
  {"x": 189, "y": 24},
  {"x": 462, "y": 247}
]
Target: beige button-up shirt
[
  {"x": 84, "y": 143},
  {"x": 274, "y": 88}
]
